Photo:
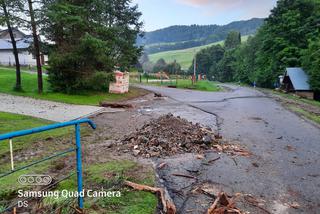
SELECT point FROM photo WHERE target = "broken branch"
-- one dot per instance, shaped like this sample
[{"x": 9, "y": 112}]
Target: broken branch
[
  {"x": 168, "y": 205},
  {"x": 185, "y": 176}
]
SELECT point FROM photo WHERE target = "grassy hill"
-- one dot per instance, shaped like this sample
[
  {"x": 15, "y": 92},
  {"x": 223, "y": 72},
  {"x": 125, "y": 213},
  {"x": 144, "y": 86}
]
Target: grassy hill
[{"x": 183, "y": 57}]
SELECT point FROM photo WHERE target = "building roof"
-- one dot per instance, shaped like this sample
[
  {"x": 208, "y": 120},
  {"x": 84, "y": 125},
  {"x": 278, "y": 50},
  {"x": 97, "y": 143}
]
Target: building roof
[
  {"x": 24, "y": 43},
  {"x": 299, "y": 79}
]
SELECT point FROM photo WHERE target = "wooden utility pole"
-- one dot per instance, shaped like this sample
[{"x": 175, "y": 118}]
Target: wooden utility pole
[
  {"x": 36, "y": 46},
  {"x": 176, "y": 72},
  {"x": 14, "y": 46},
  {"x": 194, "y": 69}
]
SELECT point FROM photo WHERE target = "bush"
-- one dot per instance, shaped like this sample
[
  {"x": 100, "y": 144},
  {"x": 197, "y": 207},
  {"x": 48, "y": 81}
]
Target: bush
[{"x": 99, "y": 81}]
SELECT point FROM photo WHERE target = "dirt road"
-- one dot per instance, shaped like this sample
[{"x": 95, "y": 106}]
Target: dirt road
[{"x": 284, "y": 171}]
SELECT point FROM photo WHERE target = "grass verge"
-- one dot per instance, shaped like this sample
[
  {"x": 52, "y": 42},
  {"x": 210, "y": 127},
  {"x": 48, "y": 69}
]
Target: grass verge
[
  {"x": 29, "y": 85},
  {"x": 203, "y": 85},
  {"x": 13, "y": 122},
  {"x": 295, "y": 98},
  {"x": 109, "y": 177},
  {"x": 305, "y": 114}
]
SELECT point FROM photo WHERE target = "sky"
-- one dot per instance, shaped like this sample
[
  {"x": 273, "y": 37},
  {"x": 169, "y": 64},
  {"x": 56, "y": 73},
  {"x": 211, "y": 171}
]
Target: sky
[{"x": 163, "y": 13}]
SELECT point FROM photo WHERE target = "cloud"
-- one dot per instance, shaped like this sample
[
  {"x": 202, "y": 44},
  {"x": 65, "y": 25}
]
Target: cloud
[
  {"x": 247, "y": 8},
  {"x": 220, "y": 3}
]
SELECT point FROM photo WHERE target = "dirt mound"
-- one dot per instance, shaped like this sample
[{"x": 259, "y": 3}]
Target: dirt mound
[{"x": 169, "y": 135}]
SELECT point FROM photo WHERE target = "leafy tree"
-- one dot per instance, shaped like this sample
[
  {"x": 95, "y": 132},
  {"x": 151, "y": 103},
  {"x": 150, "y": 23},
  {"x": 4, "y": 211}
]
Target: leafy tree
[
  {"x": 160, "y": 65},
  {"x": 206, "y": 58},
  {"x": 90, "y": 36},
  {"x": 283, "y": 41},
  {"x": 225, "y": 69},
  {"x": 233, "y": 40},
  {"x": 311, "y": 62},
  {"x": 173, "y": 68},
  {"x": 245, "y": 63},
  {"x": 285, "y": 33}
]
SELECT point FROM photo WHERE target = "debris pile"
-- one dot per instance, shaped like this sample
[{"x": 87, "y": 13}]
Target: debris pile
[{"x": 169, "y": 135}]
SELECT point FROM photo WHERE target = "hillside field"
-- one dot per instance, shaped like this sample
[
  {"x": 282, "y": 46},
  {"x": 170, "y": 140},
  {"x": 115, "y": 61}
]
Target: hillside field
[{"x": 184, "y": 57}]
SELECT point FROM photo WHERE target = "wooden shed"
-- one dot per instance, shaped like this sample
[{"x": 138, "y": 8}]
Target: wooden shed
[{"x": 296, "y": 81}]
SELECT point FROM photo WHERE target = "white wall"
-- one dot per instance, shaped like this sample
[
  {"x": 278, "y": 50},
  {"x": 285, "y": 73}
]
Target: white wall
[{"x": 25, "y": 58}]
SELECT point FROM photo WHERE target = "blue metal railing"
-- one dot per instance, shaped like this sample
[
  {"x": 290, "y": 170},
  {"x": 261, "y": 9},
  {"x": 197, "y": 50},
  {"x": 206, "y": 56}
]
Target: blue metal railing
[{"x": 76, "y": 123}]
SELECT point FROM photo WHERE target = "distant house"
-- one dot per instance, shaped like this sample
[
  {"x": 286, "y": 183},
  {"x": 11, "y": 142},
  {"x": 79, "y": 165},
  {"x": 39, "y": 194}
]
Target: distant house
[
  {"x": 24, "y": 44},
  {"x": 296, "y": 80}
]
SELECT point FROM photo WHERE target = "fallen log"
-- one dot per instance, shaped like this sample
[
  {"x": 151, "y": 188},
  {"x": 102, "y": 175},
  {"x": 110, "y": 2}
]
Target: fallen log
[
  {"x": 116, "y": 105},
  {"x": 167, "y": 203}
]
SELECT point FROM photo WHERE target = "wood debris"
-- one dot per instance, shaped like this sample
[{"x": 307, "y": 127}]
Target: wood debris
[
  {"x": 200, "y": 157},
  {"x": 162, "y": 165},
  {"x": 185, "y": 176},
  {"x": 223, "y": 205},
  {"x": 232, "y": 149},
  {"x": 167, "y": 203},
  {"x": 256, "y": 202},
  {"x": 214, "y": 160},
  {"x": 116, "y": 105}
]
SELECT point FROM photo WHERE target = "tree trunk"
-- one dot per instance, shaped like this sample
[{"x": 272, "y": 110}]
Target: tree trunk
[
  {"x": 36, "y": 46},
  {"x": 14, "y": 46}
]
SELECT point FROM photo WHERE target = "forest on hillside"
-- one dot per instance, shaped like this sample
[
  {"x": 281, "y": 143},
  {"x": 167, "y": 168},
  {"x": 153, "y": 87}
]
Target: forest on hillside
[
  {"x": 290, "y": 37},
  {"x": 182, "y": 37}
]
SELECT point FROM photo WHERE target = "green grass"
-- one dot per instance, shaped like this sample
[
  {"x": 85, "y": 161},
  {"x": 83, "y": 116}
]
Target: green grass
[
  {"x": 29, "y": 85},
  {"x": 296, "y": 98},
  {"x": 109, "y": 176},
  {"x": 184, "y": 57},
  {"x": 203, "y": 85},
  {"x": 305, "y": 114},
  {"x": 14, "y": 122}
]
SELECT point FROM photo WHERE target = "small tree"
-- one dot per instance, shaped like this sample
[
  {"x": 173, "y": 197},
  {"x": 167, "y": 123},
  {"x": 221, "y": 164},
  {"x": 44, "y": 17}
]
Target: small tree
[
  {"x": 160, "y": 65},
  {"x": 173, "y": 68},
  {"x": 233, "y": 40}
]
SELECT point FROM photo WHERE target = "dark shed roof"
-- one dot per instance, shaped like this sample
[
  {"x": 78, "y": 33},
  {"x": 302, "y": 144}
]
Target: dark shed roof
[{"x": 299, "y": 79}]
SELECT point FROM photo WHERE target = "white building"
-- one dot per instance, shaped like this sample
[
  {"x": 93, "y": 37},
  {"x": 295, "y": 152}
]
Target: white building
[{"x": 24, "y": 43}]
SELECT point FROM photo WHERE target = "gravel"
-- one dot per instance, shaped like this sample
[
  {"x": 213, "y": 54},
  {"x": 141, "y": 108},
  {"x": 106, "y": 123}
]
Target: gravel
[{"x": 49, "y": 110}]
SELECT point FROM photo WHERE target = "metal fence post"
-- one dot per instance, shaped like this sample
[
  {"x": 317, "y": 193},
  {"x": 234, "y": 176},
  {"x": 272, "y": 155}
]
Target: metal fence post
[{"x": 79, "y": 165}]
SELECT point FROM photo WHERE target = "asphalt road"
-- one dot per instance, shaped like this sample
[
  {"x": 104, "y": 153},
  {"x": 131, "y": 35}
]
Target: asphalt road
[{"x": 284, "y": 170}]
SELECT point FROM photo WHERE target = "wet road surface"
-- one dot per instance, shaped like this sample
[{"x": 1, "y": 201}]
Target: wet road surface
[{"x": 284, "y": 170}]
